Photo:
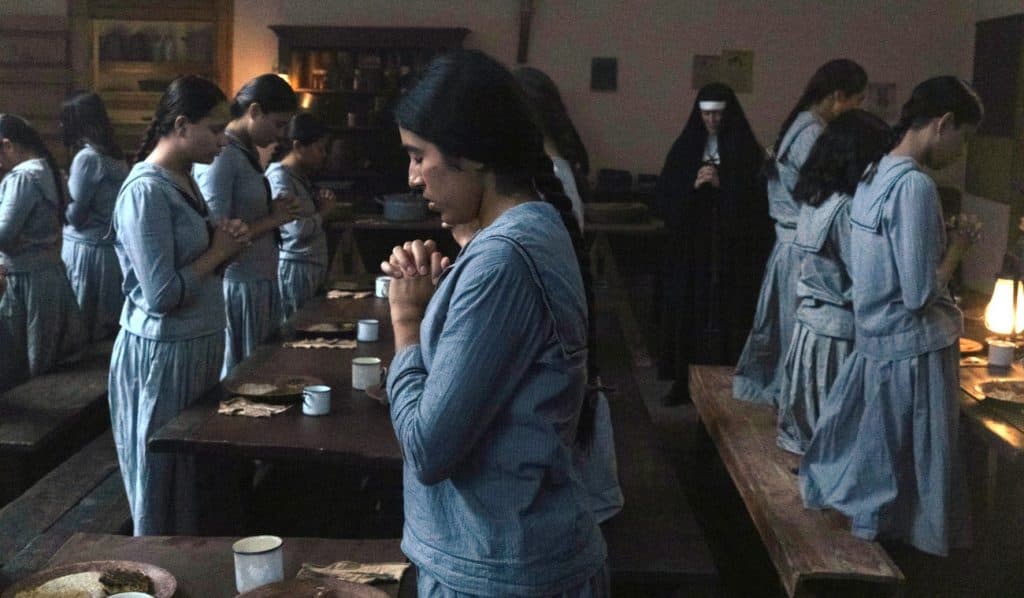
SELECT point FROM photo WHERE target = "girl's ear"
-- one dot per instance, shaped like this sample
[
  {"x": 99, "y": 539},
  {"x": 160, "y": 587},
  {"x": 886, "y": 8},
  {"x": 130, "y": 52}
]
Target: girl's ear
[
  {"x": 179, "y": 124},
  {"x": 254, "y": 111},
  {"x": 946, "y": 123}
]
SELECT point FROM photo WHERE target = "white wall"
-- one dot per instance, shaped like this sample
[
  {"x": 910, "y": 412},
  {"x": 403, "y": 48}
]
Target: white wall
[{"x": 654, "y": 41}]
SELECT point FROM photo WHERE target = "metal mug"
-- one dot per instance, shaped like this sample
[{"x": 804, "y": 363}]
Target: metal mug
[
  {"x": 259, "y": 560},
  {"x": 366, "y": 372},
  {"x": 316, "y": 400}
]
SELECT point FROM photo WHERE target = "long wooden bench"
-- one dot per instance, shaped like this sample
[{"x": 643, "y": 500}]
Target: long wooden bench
[
  {"x": 655, "y": 545},
  {"x": 46, "y": 419},
  {"x": 813, "y": 551},
  {"x": 84, "y": 494}
]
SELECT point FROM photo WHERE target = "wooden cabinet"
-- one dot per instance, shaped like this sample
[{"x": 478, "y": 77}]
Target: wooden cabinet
[
  {"x": 128, "y": 51},
  {"x": 351, "y": 77}
]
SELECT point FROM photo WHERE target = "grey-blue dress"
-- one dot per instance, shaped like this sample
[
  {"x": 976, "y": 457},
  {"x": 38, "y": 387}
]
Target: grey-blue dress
[
  {"x": 885, "y": 449},
  {"x": 171, "y": 345},
  {"x": 38, "y": 313},
  {"x": 823, "y": 333},
  {"x": 234, "y": 187},
  {"x": 88, "y": 251},
  {"x": 302, "y": 268},
  {"x": 486, "y": 408},
  {"x": 758, "y": 371}
]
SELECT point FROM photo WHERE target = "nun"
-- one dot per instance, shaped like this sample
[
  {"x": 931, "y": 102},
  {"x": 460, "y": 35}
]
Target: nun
[{"x": 716, "y": 215}]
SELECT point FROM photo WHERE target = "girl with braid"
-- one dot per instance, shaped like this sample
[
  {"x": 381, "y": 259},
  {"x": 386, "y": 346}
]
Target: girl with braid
[
  {"x": 38, "y": 312},
  {"x": 171, "y": 345},
  {"x": 234, "y": 187},
  {"x": 487, "y": 384}
]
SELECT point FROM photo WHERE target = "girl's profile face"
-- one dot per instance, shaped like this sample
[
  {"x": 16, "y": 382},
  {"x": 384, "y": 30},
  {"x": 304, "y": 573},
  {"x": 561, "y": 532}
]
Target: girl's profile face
[
  {"x": 948, "y": 145},
  {"x": 268, "y": 127},
  {"x": 452, "y": 187},
  {"x": 206, "y": 138},
  {"x": 311, "y": 157}
]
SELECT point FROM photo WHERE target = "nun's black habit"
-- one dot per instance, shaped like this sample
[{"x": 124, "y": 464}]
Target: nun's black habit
[{"x": 717, "y": 243}]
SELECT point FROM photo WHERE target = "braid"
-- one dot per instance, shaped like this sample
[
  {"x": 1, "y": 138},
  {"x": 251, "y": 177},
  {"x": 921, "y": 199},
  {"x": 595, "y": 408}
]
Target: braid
[
  {"x": 63, "y": 198},
  {"x": 149, "y": 139}
]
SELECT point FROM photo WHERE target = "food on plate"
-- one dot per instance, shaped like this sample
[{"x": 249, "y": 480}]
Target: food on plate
[{"x": 255, "y": 388}]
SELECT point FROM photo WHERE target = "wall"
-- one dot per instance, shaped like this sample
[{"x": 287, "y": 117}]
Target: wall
[{"x": 654, "y": 41}]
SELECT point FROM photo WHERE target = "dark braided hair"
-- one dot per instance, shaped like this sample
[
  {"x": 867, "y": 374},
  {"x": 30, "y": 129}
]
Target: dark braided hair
[
  {"x": 190, "y": 96},
  {"x": 937, "y": 96},
  {"x": 835, "y": 75},
  {"x": 552, "y": 116},
  {"x": 19, "y": 131},
  {"x": 83, "y": 119},
  {"x": 837, "y": 162},
  {"x": 471, "y": 106}
]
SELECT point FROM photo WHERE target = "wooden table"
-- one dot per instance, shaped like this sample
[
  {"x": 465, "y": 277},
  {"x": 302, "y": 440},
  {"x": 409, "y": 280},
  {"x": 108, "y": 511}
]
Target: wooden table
[
  {"x": 601, "y": 256},
  {"x": 378, "y": 236},
  {"x": 358, "y": 429},
  {"x": 204, "y": 567}
]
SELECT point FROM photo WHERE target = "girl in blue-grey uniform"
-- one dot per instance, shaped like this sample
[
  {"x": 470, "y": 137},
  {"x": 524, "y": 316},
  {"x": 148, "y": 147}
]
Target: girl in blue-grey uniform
[
  {"x": 823, "y": 333},
  {"x": 96, "y": 175},
  {"x": 885, "y": 449},
  {"x": 38, "y": 312},
  {"x": 488, "y": 379},
  {"x": 171, "y": 345},
  {"x": 303, "y": 257},
  {"x": 836, "y": 87},
  {"x": 234, "y": 187}
]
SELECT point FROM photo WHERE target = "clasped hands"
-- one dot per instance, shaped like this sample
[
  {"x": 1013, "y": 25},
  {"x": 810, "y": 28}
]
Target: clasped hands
[
  {"x": 414, "y": 268},
  {"x": 230, "y": 236},
  {"x": 707, "y": 174}
]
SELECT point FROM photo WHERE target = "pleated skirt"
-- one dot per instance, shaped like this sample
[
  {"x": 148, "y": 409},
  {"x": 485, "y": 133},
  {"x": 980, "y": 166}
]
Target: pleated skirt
[
  {"x": 758, "y": 370},
  {"x": 151, "y": 382},
  {"x": 812, "y": 365},
  {"x": 40, "y": 324},
  {"x": 253, "y": 311},
  {"x": 298, "y": 282},
  {"x": 95, "y": 277},
  {"x": 885, "y": 451}
]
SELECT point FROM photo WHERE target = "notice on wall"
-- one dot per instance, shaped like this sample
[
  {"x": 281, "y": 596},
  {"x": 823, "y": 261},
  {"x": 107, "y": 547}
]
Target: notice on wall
[
  {"x": 735, "y": 68},
  {"x": 880, "y": 100},
  {"x": 705, "y": 69}
]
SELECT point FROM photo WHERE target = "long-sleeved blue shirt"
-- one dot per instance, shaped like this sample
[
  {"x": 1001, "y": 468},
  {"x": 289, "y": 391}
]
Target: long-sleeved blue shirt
[
  {"x": 793, "y": 151},
  {"x": 29, "y": 217},
  {"x": 234, "y": 188},
  {"x": 824, "y": 291},
  {"x": 899, "y": 240},
  {"x": 159, "y": 236},
  {"x": 485, "y": 409},
  {"x": 302, "y": 239},
  {"x": 93, "y": 182}
]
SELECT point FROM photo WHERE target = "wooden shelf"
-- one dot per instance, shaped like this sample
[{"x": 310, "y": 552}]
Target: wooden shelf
[
  {"x": 340, "y": 92},
  {"x": 153, "y": 67}
]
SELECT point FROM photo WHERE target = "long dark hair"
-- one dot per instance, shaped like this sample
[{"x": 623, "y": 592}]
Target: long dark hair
[
  {"x": 190, "y": 96},
  {"x": 83, "y": 119},
  {"x": 937, "y": 96},
  {"x": 837, "y": 162},
  {"x": 835, "y": 75},
  {"x": 18, "y": 130},
  {"x": 470, "y": 106},
  {"x": 552, "y": 116},
  {"x": 270, "y": 91}
]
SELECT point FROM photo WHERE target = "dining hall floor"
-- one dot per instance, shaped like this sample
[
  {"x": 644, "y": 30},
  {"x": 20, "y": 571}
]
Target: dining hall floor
[{"x": 994, "y": 567}]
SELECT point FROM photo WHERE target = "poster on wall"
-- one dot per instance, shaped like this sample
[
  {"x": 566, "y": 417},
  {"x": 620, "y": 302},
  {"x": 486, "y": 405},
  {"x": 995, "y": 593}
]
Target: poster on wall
[
  {"x": 737, "y": 70},
  {"x": 880, "y": 100},
  {"x": 705, "y": 69}
]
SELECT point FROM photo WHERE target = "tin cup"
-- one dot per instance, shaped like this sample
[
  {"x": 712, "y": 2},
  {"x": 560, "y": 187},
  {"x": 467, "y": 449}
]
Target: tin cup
[
  {"x": 368, "y": 331},
  {"x": 259, "y": 560},
  {"x": 381, "y": 286},
  {"x": 366, "y": 372},
  {"x": 316, "y": 400},
  {"x": 1000, "y": 353}
]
